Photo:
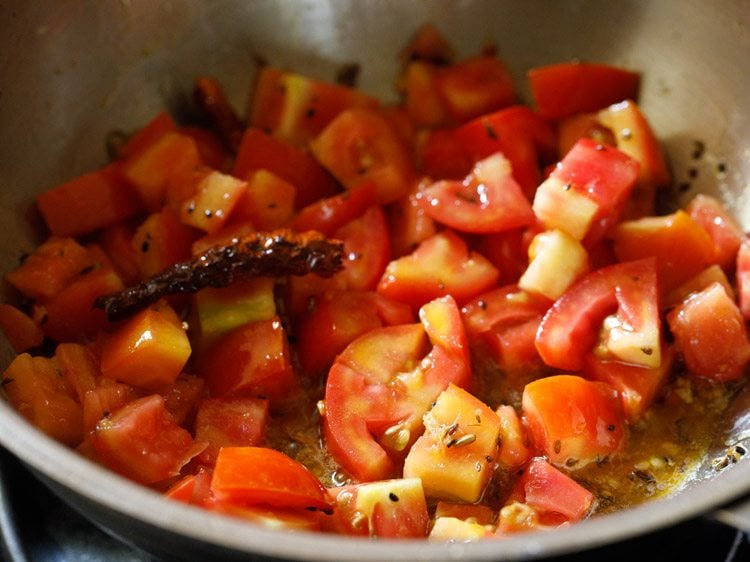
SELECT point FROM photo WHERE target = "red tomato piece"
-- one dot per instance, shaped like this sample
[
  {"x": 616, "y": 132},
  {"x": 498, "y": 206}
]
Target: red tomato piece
[
  {"x": 230, "y": 422},
  {"x": 384, "y": 509},
  {"x": 570, "y": 328},
  {"x": 92, "y": 201},
  {"x": 681, "y": 246},
  {"x": 161, "y": 124},
  {"x": 710, "y": 333},
  {"x": 260, "y": 151},
  {"x": 587, "y": 191},
  {"x": 149, "y": 171},
  {"x": 148, "y": 351},
  {"x": 743, "y": 278},
  {"x": 548, "y": 490},
  {"x": 573, "y": 421},
  {"x": 192, "y": 489},
  {"x": 71, "y": 313},
  {"x": 360, "y": 146},
  {"x": 519, "y": 134},
  {"x": 162, "y": 240},
  {"x": 441, "y": 155},
  {"x": 252, "y": 360},
  {"x": 331, "y": 213},
  {"x": 268, "y": 202},
  {"x": 441, "y": 265},
  {"x": 474, "y": 87},
  {"x": 297, "y": 108},
  {"x": 410, "y": 224},
  {"x": 634, "y": 136},
  {"x": 143, "y": 442},
  {"x": 19, "y": 328},
  {"x": 106, "y": 399},
  {"x": 515, "y": 448},
  {"x": 561, "y": 90},
  {"x": 384, "y": 381},
  {"x": 487, "y": 200},
  {"x": 636, "y": 386},
  {"x": 247, "y": 476},
  {"x": 726, "y": 234},
  {"x": 50, "y": 268},
  {"x": 508, "y": 252},
  {"x": 37, "y": 391},
  {"x": 338, "y": 318},
  {"x": 367, "y": 249}
]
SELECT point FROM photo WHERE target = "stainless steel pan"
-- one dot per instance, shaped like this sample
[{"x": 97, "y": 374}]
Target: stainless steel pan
[{"x": 71, "y": 71}]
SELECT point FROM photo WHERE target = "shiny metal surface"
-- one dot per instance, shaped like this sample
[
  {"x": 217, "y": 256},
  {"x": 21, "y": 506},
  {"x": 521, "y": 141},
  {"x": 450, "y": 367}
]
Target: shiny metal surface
[{"x": 71, "y": 71}]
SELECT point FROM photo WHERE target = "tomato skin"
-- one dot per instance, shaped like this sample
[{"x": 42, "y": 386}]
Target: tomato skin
[
  {"x": 247, "y": 476},
  {"x": 360, "y": 146},
  {"x": 711, "y": 335},
  {"x": 487, "y": 200},
  {"x": 440, "y": 265},
  {"x": 726, "y": 235},
  {"x": 561, "y": 90},
  {"x": 384, "y": 381},
  {"x": 637, "y": 386},
  {"x": 252, "y": 360},
  {"x": 148, "y": 351},
  {"x": 260, "y": 151},
  {"x": 143, "y": 442},
  {"x": 587, "y": 191},
  {"x": 743, "y": 278},
  {"x": 573, "y": 421},
  {"x": 393, "y": 508},
  {"x": 338, "y": 318},
  {"x": 548, "y": 490},
  {"x": 84, "y": 204},
  {"x": 519, "y": 134},
  {"x": 230, "y": 422},
  {"x": 570, "y": 327},
  {"x": 682, "y": 247},
  {"x": 38, "y": 392},
  {"x": 331, "y": 213}
]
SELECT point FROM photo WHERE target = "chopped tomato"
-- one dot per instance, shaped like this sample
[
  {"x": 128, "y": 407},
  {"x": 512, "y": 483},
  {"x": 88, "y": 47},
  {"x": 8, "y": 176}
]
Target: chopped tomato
[
  {"x": 331, "y": 213},
  {"x": 487, "y": 200},
  {"x": 297, "y": 108},
  {"x": 360, "y": 146},
  {"x": 142, "y": 441},
  {"x": 587, "y": 191},
  {"x": 519, "y": 134},
  {"x": 338, "y": 318},
  {"x": 37, "y": 389},
  {"x": 571, "y": 326},
  {"x": 441, "y": 265},
  {"x": 247, "y": 476},
  {"x": 724, "y": 231},
  {"x": 19, "y": 328},
  {"x": 252, "y": 360},
  {"x": 682, "y": 247},
  {"x": 637, "y": 386},
  {"x": 633, "y": 135},
  {"x": 384, "y": 509},
  {"x": 268, "y": 201},
  {"x": 230, "y": 422},
  {"x": 409, "y": 224},
  {"x": 561, "y": 90},
  {"x": 573, "y": 421},
  {"x": 548, "y": 490},
  {"x": 710, "y": 333},
  {"x": 743, "y": 278},
  {"x": 381, "y": 385},
  {"x": 260, "y": 151},
  {"x": 514, "y": 447},
  {"x": 461, "y": 432},
  {"x": 148, "y": 351},
  {"x": 84, "y": 204}
]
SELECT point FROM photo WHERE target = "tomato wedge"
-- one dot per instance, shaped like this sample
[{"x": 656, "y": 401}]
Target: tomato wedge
[
  {"x": 487, "y": 200},
  {"x": 383, "y": 382},
  {"x": 571, "y": 326},
  {"x": 247, "y": 476}
]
